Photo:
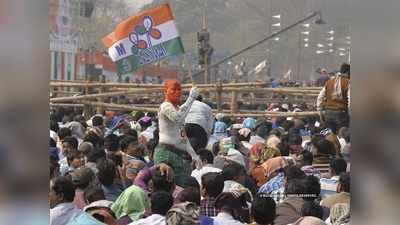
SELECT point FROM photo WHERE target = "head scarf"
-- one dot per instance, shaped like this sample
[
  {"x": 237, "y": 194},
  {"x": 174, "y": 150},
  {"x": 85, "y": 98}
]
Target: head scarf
[
  {"x": 309, "y": 220},
  {"x": 249, "y": 123},
  {"x": 340, "y": 214},
  {"x": 77, "y": 129},
  {"x": 245, "y": 132},
  {"x": 219, "y": 127},
  {"x": 187, "y": 213},
  {"x": 269, "y": 153},
  {"x": 132, "y": 202},
  {"x": 273, "y": 141},
  {"x": 273, "y": 164},
  {"x": 143, "y": 178},
  {"x": 175, "y": 97},
  {"x": 237, "y": 126},
  {"x": 255, "y": 152},
  {"x": 225, "y": 144},
  {"x": 236, "y": 156},
  {"x": 85, "y": 219},
  {"x": 146, "y": 120}
]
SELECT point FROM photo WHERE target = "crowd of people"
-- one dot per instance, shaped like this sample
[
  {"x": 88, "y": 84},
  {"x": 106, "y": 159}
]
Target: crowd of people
[{"x": 184, "y": 166}]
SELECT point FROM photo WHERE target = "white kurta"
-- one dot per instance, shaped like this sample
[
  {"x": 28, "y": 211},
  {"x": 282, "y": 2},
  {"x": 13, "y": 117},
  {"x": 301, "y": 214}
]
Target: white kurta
[
  {"x": 201, "y": 114},
  {"x": 171, "y": 122}
]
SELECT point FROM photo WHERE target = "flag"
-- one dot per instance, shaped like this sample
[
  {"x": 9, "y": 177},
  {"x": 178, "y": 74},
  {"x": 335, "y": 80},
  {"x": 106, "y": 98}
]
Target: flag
[
  {"x": 260, "y": 66},
  {"x": 143, "y": 39},
  {"x": 287, "y": 75}
]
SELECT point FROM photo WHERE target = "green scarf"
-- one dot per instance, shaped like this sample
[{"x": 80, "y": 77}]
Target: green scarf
[{"x": 132, "y": 202}]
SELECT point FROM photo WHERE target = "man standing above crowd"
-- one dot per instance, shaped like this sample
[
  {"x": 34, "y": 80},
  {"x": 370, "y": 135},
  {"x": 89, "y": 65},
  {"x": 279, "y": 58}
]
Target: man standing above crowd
[
  {"x": 174, "y": 148},
  {"x": 334, "y": 99}
]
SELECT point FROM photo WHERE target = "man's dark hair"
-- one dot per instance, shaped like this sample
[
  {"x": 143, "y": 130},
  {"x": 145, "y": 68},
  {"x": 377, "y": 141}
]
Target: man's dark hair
[
  {"x": 206, "y": 155},
  {"x": 126, "y": 141},
  {"x": 190, "y": 181},
  {"x": 94, "y": 139},
  {"x": 74, "y": 154},
  {"x": 323, "y": 146},
  {"x": 295, "y": 139},
  {"x": 262, "y": 128},
  {"x": 294, "y": 131},
  {"x": 96, "y": 154},
  {"x": 287, "y": 124},
  {"x": 94, "y": 193},
  {"x": 160, "y": 183},
  {"x": 213, "y": 183},
  {"x": 107, "y": 172},
  {"x": 72, "y": 141},
  {"x": 63, "y": 132},
  {"x": 345, "y": 69},
  {"x": 227, "y": 201},
  {"x": 338, "y": 165},
  {"x": 54, "y": 126},
  {"x": 131, "y": 133},
  {"x": 189, "y": 194},
  {"x": 275, "y": 132},
  {"x": 311, "y": 208},
  {"x": 263, "y": 209},
  {"x": 54, "y": 165},
  {"x": 64, "y": 186},
  {"x": 113, "y": 141},
  {"x": 307, "y": 157},
  {"x": 232, "y": 170},
  {"x": 293, "y": 172},
  {"x": 97, "y": 121},
  {"x": 161, "y": 202},
  {"x": 199, "y": 98},
  {"x": 344, "y": 181},
  {"x": 284, "y": 148}
]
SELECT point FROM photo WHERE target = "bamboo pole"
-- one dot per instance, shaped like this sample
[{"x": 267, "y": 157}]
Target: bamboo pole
[
  {"x": 100, "y": 109},
  {"x": 66, "y": 105},
  {"x": 218, "y": 90},
  {"x": 119, "y": 106},
  {"x": 131, "y": 85},
  {"x": 94, "y": 96},
  {"x": 65, "y": 92},
  {"x": 280, "y": 114},
  {"x": 242, "y": 113},
  {"x": 87, "y": 112},
  {"x": 246, "y": 89},
  {"x": 126, "y": 85},
  {"x": 147, "y": 91},
  {"x": 234, "y": 100}
]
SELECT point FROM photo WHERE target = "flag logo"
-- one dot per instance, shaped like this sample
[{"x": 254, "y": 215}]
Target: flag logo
[{"x": 143, "y": 39}]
